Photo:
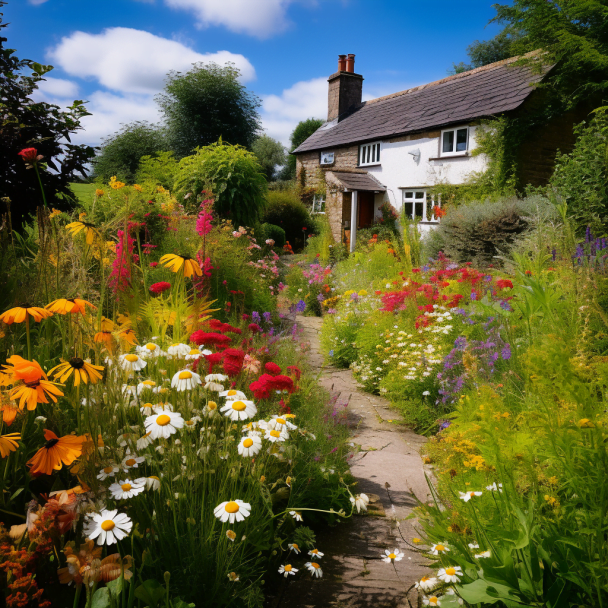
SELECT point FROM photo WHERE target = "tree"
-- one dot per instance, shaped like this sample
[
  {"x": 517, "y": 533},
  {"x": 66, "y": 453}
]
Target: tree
[
  {"x": 304, "y": 129},
  {"x": 270, "y": 154},
  {"x": 46, "y": 127},
  {"x": 120, "y": 153},
  {"x": 484, "y": 52},
  {"x": 232, "y": 174},
  {"x": 206, "y": 103}
]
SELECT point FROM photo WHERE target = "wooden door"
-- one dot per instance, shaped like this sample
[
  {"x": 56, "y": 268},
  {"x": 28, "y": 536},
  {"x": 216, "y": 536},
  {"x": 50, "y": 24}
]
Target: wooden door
[{"x": 366, "y": 209}]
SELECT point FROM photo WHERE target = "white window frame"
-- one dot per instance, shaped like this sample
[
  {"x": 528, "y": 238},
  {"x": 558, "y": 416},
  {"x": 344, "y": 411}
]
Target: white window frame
[
  {"x": 318, "y": 201},
  {"x": 369, "y": 154},
  {"x": 427, "y": 202},
  {"x": 454, "y": 152},
  {"x": 331, "y": 162}
]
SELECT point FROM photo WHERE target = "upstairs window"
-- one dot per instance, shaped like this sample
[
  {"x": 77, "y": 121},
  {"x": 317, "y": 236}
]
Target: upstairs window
[
  {"x": 454, "y": 141},
  {"x": 369, "y": 154}
]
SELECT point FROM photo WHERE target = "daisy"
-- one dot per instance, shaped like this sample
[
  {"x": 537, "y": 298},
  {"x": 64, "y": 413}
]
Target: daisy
[
  {"x": 439, "y": 548},
  {"x": 233, "y": 394},
  {"x": 433, "y": 600},
  {"x": 316, "y": 553},
  {"x": 150, "y": 351},
  {"x": 178, "y": 350},
  {"x": 287, "y": 570},
  {"x": 450, "y": 575},
  {"x": 234, "y": 577},
  {"x": 483, "y": 554},
  {"x": 185, "y": 380},
  {"x": 152, "y": 482},
  {"x": 216, "y": 378},
  {"x": 233, "y": 510},
  {"x": 281, "y": 423},
  {"x": 131, "y": 363},
  {"x": 146, "y": 409},
  {"x": 108, "y": 471},
  {"x": 130, "y": 461},
  {"x": 294, "y": 547},
  {"x": 107, "y": 527},
  {"x": 196, "y": 353},
  {"x": 145, "y": 441},
  {"x": 214, "y": 386},
  {"x": 427, "y": 583},
  {"x": 395, "y": 556},
  {"x": 296, "y": 515},
  {"x": 191, "y": 424},
  {"x": 494, "y": 487},
  {"x": 314, "y": 569},
  {"x": 239, "y": 410},
  {"x": 210, "y": 409},
  {"x": 163, "y": 423},
  {"x": 274, "y": 436},
  {"x": 146, "y": 385},
  {"x": 473, "y": 546},
  {"x": 360, "y": 501},
  {"x": 249, "y": 446},
  {"x": 466, "y": 496},
  {"x": 231, "y": 535},
  {"x": 126, "y": 489}
]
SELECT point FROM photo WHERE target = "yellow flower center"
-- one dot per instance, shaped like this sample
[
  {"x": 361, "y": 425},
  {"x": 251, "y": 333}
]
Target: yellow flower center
[
  {"x": 151, "y": 346},
  {"x": 185, "y": 375},
  {"x": 280, "y": 421},
  {"x": 147, "y": 405},
  {"x": 315, "y": 565},
  {"x": 295, "y": 546},
  {"x": 108, "y": 470},
  {"x": 149, "y": 382},
  {"x": 288, "y": 568},
  {"x": 130, "y": 462},
  {"x": 231, "y": 393},
  {"x": 212, "y": 405},
  {"x": 163, "y": 420},
  {"x": 231, "y": 507},
  {"x": 131, "y": 358},
  {"x": 433, "y": 601},
  {"x": 424, "y": 579},
  {"x": 190, "y": 422},
  {"x": 154, "y": 477},
  {"x": 450, "y": 571},
  {"x": 195, "y": 351},
  {"x": 239, "y": 406},
  {"x": 392, "y": 556},
  {"x": 126, "y": 487},
  {"x": 439, "y": 548},
  {"x": 315, "y": 551},
  {"x": 275, "y": 434},
  {"x": 107, "y": 525}
]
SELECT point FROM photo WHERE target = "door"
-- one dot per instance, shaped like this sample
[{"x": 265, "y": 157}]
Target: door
[{"x": 366, "y": 209}]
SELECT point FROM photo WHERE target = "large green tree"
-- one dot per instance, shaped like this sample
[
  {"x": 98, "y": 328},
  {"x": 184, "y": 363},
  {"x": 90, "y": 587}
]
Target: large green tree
[
  {"x": 120, "y": 153},
  {"x": 25, "y": 123},
  {"x": 304, "y": 129},
  {"x": 270, "y": 154},
  {"x": 208, "y": 103}
]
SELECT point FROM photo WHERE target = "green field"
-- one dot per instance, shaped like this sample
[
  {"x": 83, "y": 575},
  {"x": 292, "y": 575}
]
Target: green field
[{"x": 83, "y": 192}]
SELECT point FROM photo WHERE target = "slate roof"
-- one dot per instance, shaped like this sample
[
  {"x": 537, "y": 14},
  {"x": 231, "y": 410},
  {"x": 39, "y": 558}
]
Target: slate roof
[
  {"x": 359, "y": 181},
  {"x": 485, "y": 91}
]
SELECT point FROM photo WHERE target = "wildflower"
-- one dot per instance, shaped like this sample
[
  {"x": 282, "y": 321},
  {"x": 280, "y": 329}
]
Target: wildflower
[
  {"x": 280, "y": 423},
  {"x": 416, "y": 541},
  {"x": 466, "y": 496},
  {"x": 360, "y": 501},
  {"x": 90, "y": 230},
  {"x": 163, "y": 423},
  {"x": 250, "y": 446},
  {"x": 178, "y": 350},
  {"x": 152, "y": 482},
  {"x": 287, "y": 570},
  {"x": 585, "y": 423},
  {"x": 29, "y": 155},
  {"x": 392, "y": 557},
  {"x": 494, "y": 487},
  {"x": 8, "y": 443},
  {"x": 24, "y": 312},
  {"x": 427, "y": 583},
  {"x": 82, "y": 370},
  {"x": 233, "y": 394},
  {"x": 272, "y": 368},
  {"x": 185, "y": 263},
  {"x": 150, "y": 351},
  {"x": 439, "y": 549},
  {"x": 131, "y": 363},
  {"x": 158, "y": 288},
  {"x": 231, "y": 535},
  {"x": 126, "y": 489},
  {"x": 210, "y": 409},
  {"x": 146, "y": 385},
  {"x": 233, "y": 510},
  {"x": 294, "y": 547},
  {"x": 473, "y": 546},
  {"x": 35, "y": 388},
  {"x": 185, "y": 380},
  {"x": 143, "y": 442},
  {"x": 316, "y": 553},
  {"x": 55, "y": 453},
  {"x": 239, "y": 410},
  {"x": 115, "y": 184},
  {"x": 296, "y": 515},
  {"x": 275, "y": 436},
  {"x": 433, "y": 600},
  {"x": 108, "y": 471},
  {"x": 107, "y": 527},
  {"x": 216, "y": 378},
  {"x": 131, "y": 461},
  {"x": 314, "y": 569},
  {"x": 450, "y": 575},
  {"x": 483, "y": 554},
  {"x": 233, "y": 577}
]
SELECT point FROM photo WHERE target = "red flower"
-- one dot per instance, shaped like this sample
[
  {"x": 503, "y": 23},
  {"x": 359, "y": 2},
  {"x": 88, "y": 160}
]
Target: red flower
[
  {"x": 438, "y": 212},
  {"x": 504, "y": 284},
  {"x": 29, "y": 155},
  {"x": 262, "y": 387},
  {"x": 223, "y": 327},
  {"x": 202, "y": 337},
  {"x": 254, "y": 328},
  {"x": 272, "y": 368},
  {"x": 245, "y": 316},
  {"x": 213, "y": 359},
  {"x": 282, "y": 383},
  {"x": 160, "y": 287},
  {"x": 153, "y": 264},
  {"x": 528, "y": 272},
  {"x": 233, "y": 361},
  {"x": 304, "y": 228},
  {"x": 292, "y": 369}
]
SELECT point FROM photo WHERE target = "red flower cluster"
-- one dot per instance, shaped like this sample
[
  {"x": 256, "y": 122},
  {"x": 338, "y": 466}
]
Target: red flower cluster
[
  {"x": 294, "y": 371},
  {"x": 504, "y": 284},
  {"x": 160, "y": 287},
  {"x": 223, "y": 328},
  {"x": 213, "y": 359},
  {"x": 265, "y": 384},
  {"x": 233, "y": 361},
  {"x": 209, "y": 339},
  {"x": 272, "y": 368},
  {"x": 254, "y": 328}
]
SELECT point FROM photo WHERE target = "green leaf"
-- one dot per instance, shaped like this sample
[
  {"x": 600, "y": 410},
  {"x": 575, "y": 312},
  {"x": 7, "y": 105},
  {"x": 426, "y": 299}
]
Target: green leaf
[
  {"x": 150, "y": 592},
  {"x": 116, "y": 587},
  {"x": 179, "y": 603},
  {"x": 101, "y": 598},
  {"x": 481, "y": 591}
]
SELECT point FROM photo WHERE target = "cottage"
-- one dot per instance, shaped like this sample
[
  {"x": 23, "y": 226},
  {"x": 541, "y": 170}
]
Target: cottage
[{"x": 396, "y": 148}]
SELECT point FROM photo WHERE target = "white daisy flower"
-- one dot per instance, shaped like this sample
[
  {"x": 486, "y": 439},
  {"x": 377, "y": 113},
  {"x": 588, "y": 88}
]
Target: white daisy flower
[
  {"x": 216, "y": 378},
  {"x": 255, "y": 426},
  {"x": 280, "y": 422},
  {"x": 233, "y": 510},
  {"x": 131, "y": 461},
  {"x": 150, "y": 351},
  {"x": 466, "y": 496},
  {"x": 131, "y": 363},
  {"x": 450, "y": 575},
  {"x": 145, "y": 385},
  {"x": 233, "y": 577},
  {"x": 214, "y": 386},
  {"x": 473, "y": 546},
  {"x": 426, "y": 393},
  {"x": 276, "y": 436},
  {"x": 294, "y": 547},
  {"x": 178, "y": 350},
  {"x": 427, "y": 583},
  {"x": 196, "y": 353},
  {"x": 210, "y": 409},
  {"x": 296, "y": 515},
  {"x": 163, "y": 423},
  {"x": 239, "y": 410},
  {"x": 191, "y": 424},
  {"x": 185, "y": 380},
  {"x": 392, "y": 556},
  {"x": 439, "y": 548},
  {"x": 108, "y": 471},
  {"x": 314, "y": 569},
  {"x": 433, "y": 600},
  {"x": 249, "y": 446},
  {"x": 129, "y": 390},
  {"x": 233, "y": 394},
  {"x": 145, "y": 441},
  {"x": 360, "y": 501},
  {"x": 126, "y": 489},
  {"x": 107, "y": 527},
  {"x": 483, "y": 554},
  {"x": 147, "y": 408},
  {"x": 287, "y": 569},
  {"x": 315, "y": 553},
  {"x": 151, "y": 483},
  {"x": 494, "y": 487}
]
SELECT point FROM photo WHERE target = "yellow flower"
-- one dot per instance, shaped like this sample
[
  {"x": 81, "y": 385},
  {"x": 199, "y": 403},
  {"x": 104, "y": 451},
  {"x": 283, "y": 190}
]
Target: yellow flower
[
  {"x": 99, "y": 192},
  {"x": 137, "y": 187},
  {"x": 185, "y": 263},
  {"x": 115, "y": 184},
  {"x": 54, "y": 213},
  {"x": 90, "y": 230},
  {"x": 585, "y": 423},
  {"x": 8, "y": 443},
  {"x": 82, "y": 370},
  {"x": 363, "y": 292}
]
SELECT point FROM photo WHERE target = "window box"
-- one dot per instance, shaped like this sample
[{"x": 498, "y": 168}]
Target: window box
[
  {"x": 369, "y": 154},
  {"x": 454, "y": 142}
]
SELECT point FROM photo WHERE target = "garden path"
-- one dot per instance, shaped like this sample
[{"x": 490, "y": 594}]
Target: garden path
[{"x": 354, "y": 575}]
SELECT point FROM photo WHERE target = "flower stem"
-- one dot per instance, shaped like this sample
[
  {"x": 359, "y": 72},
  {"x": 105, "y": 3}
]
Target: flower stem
[
  {"x": 40, "y": 182},
  {"x": 27, "y": 332}
]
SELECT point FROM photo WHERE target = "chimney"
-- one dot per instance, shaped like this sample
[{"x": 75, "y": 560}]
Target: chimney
[{"x": 345, "y": 88}]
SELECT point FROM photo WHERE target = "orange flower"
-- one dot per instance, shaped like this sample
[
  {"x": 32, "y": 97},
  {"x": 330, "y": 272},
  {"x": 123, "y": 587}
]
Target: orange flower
[
  {"x": 8, "y": 443},
  {"x": 64, "y": 306},
  {"x": 55, "y": 453},
  {"x": 24, "y": 312},
  {"x": 35, "y": 387},
  {"x": 128, "y": 336}
]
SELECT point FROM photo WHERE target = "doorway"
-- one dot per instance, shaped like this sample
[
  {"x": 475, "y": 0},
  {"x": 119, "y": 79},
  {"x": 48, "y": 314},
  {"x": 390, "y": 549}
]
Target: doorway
[{"x": 365, "y": 202}]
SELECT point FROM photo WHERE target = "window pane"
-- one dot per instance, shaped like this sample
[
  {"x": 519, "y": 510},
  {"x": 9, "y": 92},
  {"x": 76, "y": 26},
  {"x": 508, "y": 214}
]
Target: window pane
[
  {"x": 373, "y": 154},
  {"x": 419, "y": 209},
  {"x": 409, "y": 195},
  {"x": 378, "y": 153},
  {"x": 448, "y": 141},
  {"x": 368, "y": 151},
  {"x": 408, "y": 209},
  {"x": 419, "y": 195},
  {"x": 461, "y": 140}
]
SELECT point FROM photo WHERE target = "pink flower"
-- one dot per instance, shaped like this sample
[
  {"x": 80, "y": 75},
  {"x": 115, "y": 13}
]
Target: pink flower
[{"x": 153, "y": 264}]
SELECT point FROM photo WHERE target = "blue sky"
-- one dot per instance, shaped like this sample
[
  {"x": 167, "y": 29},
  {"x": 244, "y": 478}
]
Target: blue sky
[{"x": 115, "y": 53}]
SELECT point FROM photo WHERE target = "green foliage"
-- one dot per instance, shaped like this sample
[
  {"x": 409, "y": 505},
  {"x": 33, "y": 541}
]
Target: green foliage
[
  {"x": 159, "y": 169},
  {"x": 484, "y": 52},
  {"x": 276, "y": 233},
  {"x": 234, "y": 176},
  {"x": 304, "y": 129},
  {"x": 320, "y": 246},
  {"x": 285, "y": 209},
  {"x": 270, "y": 154},
  {"x": 205, "y": 104}
]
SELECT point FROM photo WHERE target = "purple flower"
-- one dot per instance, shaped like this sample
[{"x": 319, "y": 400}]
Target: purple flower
[
  {"x": 320, "y": 297},
  {"x": 267, "y": 316},
  {"x": 506, "y": 352},
  {"x": 255, "y": 317},
  {"x": 444, "y": 425},
  {"x": 473, "y": 295},
  {"x": 301, "y": 306}
]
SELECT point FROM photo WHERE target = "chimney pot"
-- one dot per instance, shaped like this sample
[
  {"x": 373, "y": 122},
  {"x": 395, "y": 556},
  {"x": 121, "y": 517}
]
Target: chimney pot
[
  {"x": 341, "y": 63},
  {"x": 350, "y": 63}
]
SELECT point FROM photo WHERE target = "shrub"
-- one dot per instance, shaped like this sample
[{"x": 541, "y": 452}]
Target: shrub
[
  {"x": 285, "y": 209},
  {"x": 479, "y": 232},
  {"x": 276, "y": 233},
  {"x": 158, "y": 169}
]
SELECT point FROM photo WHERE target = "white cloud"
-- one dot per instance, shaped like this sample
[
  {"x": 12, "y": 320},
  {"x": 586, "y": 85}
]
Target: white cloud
[
  {"x": 305, "y": 99},
  {"x": 36, "y": 2},
  {"x": 260, "y": 18},
  {"x": 56, "y": 87},
  {"x": 133, "y": 61}
]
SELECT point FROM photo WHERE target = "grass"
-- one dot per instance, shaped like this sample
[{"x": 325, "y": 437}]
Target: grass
[{"x": 83, "y": 192}]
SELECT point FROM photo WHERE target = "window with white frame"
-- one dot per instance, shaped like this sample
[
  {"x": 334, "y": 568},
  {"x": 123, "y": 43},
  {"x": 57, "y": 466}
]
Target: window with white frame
[
  {"x": 418, "y": 206},
  {"x": 369, "y": 154},
  {"x": 455, "y": 141},
  {"x": 318, "y": 203}
]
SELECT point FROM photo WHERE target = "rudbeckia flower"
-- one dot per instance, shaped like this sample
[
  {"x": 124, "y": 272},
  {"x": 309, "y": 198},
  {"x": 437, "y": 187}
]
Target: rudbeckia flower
[
  {"x": 81, "y": 369},
  {"x": 35, "y": 388},
  {"x": 8, "y": 443},
  {"x": 287, "y": 569},
  {"x": 127, "y": 336},
  {"x": 132, "y": 363},
  {"x": 233, "y": 394},
  {"x": 55, "y": 453},
  {"x": 314, "y": 569},
  {"x": 185, "y": 263},
  {"x": 392, "y": 556},
  {"x": 65, "y": 306},
  {"x": 450, "y": 575},
  {"x": 233, "y": 510},
  {"x": 126, "y": 489},
  {"x": 24, "y": 312},
  {"x": 90, "y": 230},
  {"x": 185, "y": 380},
  {"x": 107, "y": 527},
  {"x": 239, "y": 410},
  {"x": 250, "y": 446},
  {"x": 163, "y": 423}
]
